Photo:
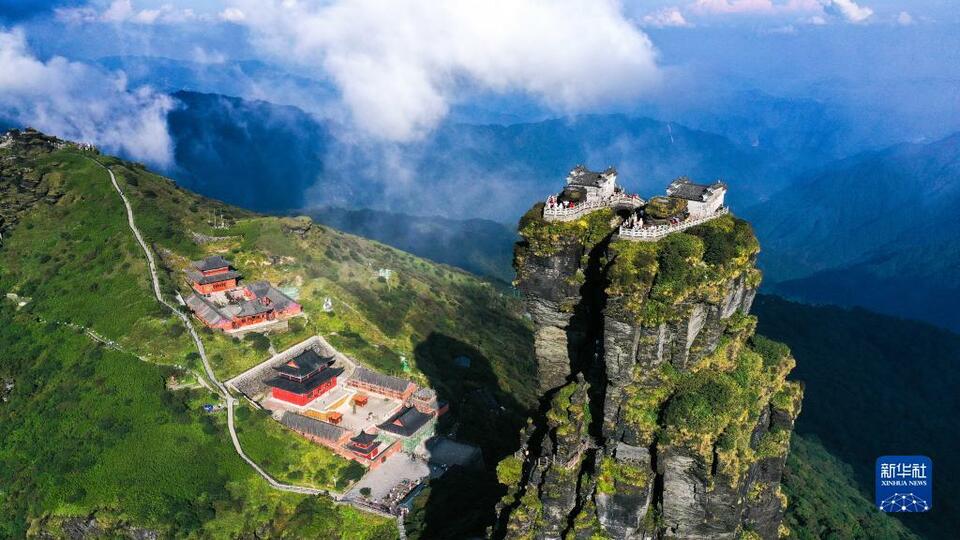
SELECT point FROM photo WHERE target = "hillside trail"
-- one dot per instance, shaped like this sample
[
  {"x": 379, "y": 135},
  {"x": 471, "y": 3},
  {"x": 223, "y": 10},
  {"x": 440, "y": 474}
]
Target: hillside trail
[
  {"x": 220, "y": 388},
  {"x": 338, "y": 498}
]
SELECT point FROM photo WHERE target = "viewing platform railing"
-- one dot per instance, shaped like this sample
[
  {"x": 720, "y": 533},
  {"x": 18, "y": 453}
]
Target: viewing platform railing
[
  {"x": 649, "y": 234},
  {"x": 559, "y": 213}
]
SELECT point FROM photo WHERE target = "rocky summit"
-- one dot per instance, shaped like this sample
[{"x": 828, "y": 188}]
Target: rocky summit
[{"x": 662, "y": 415}]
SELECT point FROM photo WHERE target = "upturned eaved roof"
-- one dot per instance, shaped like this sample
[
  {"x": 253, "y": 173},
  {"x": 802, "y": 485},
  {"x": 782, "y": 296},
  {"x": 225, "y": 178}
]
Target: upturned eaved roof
[
  {"x": 582, "y": 176},
  {"x": 305, "y": 386},
  {"x": 389, "y": 382},
  {"x": 199, "y": 277},
  {"x": 304, "y": 364},
  {"x": 363, "y": 438},
  {"x": 311, "y": 426},
  {"x": 212, "y": 262},
  {"x": 249, "y": 308},
  {"x": 683, "y": 188},
  {"x": 406, "y": 422},
  {"x": 263, "y": 289},
  {"x": 205, "y": 309}
]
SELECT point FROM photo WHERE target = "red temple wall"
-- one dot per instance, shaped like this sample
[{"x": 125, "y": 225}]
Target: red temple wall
[
  {"x": 214, "y": 287},
  {"x": 298, "y": 399}
]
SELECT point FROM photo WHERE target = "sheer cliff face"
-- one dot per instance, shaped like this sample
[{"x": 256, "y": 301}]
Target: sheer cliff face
[{"x": 662, "y": 414}]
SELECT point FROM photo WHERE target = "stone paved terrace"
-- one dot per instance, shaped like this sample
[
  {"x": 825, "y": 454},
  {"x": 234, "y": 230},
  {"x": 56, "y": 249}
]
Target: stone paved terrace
[
  {"x": 557, "y": 212},
  {"x": 652, "y": 234}
]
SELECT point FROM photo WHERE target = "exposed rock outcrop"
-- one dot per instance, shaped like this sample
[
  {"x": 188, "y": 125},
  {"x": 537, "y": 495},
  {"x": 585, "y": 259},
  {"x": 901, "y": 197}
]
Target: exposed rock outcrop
[
  {"x": 21, "y": 185},
  {"x": 663, "y": 415}
]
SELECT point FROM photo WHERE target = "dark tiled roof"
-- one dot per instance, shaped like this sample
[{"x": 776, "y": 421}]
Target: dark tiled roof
[
  {"x": 581, "y": 176},
  {"x": 305, "y": 424},
  {"x": 198, "y": 277},
  {"x": 379, "y": 379},
  {"x": 406, "y": 422},
  {"x": 304, "y": 364},
  {"x": 361, "y": 449},
  {"x": 249, "y": 308},
  {"x": 211, "y": 263},
  {"x": 205, "y": 310},
  {"x": 685, "y": 189},
  {"x": 263, "y": 289},
  {"x": 304, "y": 387},
  {"x": 363, "y": 438}
]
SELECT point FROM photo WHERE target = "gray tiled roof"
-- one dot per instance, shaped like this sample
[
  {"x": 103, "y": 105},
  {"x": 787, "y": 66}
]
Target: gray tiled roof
[
  {"x": 198, "y": 277},
  {"x": 304, "y": 387},
  {"x": 262, "y": 289},
  {"x": 379, "y": 379},
  {"x": 311, "y": 426},
  {"x": 206, "y": 310},
  {"x": 582, "y": 176},
  {"x": 304, "y": 364},
  {"x": 405, "y": 422},
  {"x": 211, "y": 263},
  {"x": 249, "y": 308},
  {"x": 683, "y": 188}
]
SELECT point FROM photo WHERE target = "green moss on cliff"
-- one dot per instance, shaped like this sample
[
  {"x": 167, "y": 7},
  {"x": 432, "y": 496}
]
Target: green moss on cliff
[
  {"x": 569, "y": 412},
  {"x": 665, "y": 207},
  {"x": 545, "y": 238},
  {"x": 616, "y": 474},
  {"x": 649, "y": 280},
  {"x": 645, "y": 400},
  {"x": 509, "y": 471}
]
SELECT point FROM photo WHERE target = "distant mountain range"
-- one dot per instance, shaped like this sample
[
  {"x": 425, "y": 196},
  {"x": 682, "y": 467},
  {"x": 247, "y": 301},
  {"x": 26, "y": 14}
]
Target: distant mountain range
[
  {"x": 480, "y": 246},
  {"x": 878, "y": 230},
  {"x": 269, "y": 157}
]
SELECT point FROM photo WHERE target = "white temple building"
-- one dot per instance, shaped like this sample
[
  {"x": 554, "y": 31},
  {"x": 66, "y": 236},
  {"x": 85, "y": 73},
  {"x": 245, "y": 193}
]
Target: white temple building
[
  {"x": 596, "y": 185},
  {"x": 702, "y": 199}
]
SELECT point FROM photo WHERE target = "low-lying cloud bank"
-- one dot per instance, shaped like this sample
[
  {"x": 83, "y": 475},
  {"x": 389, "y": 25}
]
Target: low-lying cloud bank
[
  {"x": 79, "y": 102},
  {"x": 400, "y": 65}
]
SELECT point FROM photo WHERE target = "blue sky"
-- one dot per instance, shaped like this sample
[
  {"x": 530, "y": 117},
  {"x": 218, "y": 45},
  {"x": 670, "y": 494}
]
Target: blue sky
[{"x": 398, "y": 69}]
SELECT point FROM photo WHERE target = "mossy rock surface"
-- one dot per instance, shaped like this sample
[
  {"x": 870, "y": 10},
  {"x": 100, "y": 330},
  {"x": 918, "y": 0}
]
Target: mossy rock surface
[{"x": 665, "y": 207}]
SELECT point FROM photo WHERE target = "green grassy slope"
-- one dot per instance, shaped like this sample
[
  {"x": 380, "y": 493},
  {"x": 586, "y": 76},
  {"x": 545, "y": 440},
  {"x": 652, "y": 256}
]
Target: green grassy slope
[
  {"x": 88, "y": 429},
  {"x": 824, "y": 502}
]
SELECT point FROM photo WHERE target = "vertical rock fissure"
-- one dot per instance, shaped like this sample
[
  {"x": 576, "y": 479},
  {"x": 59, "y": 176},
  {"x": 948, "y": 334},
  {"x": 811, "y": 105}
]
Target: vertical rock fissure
[{"x": 650, "y": 385}]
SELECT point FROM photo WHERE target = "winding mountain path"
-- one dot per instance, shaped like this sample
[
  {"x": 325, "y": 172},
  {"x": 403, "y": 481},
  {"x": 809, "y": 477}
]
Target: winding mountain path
[
  {"x": 220, "y": 387},
  {"x": 231, "y": 401}
]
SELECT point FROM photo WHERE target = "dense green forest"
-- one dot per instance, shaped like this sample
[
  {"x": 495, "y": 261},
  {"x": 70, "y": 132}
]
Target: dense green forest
[{"x": 874, "y": 386}]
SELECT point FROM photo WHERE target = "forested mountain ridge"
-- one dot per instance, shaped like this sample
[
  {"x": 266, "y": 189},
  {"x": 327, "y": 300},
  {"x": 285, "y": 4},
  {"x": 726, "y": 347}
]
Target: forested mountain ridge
[{"x": 878, "y": 230}]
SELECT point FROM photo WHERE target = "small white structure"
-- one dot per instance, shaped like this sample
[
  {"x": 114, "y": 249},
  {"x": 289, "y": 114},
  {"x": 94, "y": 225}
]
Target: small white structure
[
  {"x": 702, "y": 200},
  {"x": 587, "y": 191},
  {"x": 596, "y": 185},
  {"x": 327, "y": 305}
]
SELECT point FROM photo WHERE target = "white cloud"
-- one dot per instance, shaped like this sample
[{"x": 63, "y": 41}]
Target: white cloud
[
  {"x": 664, "y": 17},
  {"x": 848, "y": 9},
  {"x": 816, "y": 10},
  {"x": 123, "y": 11},
  {"x": 904, "y": 19},
  {"x": 731, "y": 6},
  {"x": 79, "y": 102},
  {"x": 232, "y": 14},
  {"x": 399, "y": 65}
]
